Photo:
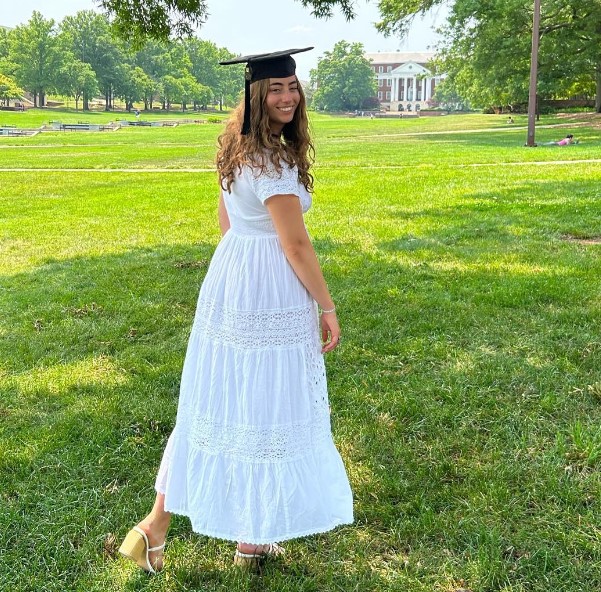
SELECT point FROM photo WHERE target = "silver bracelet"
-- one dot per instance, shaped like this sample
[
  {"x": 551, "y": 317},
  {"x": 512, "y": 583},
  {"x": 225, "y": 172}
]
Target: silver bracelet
[{"x": 328, "y": 311}]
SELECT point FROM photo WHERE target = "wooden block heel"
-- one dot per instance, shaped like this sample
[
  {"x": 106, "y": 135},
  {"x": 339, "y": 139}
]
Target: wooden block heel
[{"x": 135, "y": 546}]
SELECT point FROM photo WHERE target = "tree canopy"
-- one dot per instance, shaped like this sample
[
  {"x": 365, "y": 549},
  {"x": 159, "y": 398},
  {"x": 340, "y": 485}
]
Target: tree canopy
[
  {"x": 343, "y": 78},
  {"x": 9, "y": 89},
  {"x": 486, "y": 46},
  {"x": 81, "y": 57},
  {"x": 158, "y": 19},
  {"x": 485, "y": 50}
]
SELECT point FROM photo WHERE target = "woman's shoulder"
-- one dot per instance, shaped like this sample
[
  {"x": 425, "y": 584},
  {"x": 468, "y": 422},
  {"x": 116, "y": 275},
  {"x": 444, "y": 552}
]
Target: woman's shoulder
[{"x": 265, "y": 166}]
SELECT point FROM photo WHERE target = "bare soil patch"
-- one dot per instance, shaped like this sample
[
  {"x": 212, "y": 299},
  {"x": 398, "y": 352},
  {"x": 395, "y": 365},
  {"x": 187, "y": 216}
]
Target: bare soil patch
[{"x": 582, "y": 240}]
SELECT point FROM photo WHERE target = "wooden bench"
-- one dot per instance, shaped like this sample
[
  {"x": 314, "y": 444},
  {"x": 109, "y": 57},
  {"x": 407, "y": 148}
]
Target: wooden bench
[{"x": 74, "y": 127}]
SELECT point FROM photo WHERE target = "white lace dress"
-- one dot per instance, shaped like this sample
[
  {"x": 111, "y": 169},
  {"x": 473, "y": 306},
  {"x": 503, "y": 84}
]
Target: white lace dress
[{"x": 251, "y": 457}]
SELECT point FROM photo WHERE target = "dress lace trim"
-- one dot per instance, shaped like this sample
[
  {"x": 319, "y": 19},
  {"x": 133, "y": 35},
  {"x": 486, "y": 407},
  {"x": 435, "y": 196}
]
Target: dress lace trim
[
  {"x": 252, "y": 329},
  {"x": 260, "y": 444},
  {"x": 271, "y": 182}
]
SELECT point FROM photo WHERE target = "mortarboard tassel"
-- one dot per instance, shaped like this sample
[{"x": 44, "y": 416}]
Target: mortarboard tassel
[{"x": 246, "y": 123}]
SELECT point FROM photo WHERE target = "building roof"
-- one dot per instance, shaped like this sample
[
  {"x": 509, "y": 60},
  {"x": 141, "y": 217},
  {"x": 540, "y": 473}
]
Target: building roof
[{"x": 400, "y": 57}]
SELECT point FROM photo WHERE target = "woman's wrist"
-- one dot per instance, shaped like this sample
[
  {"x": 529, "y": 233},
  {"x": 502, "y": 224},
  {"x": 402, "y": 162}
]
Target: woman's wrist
[{"x": 328, "y": 310}]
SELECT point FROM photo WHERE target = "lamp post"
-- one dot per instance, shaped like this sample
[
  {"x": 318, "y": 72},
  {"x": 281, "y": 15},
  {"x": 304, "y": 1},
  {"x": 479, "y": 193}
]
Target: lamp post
[{"x": 533, "y": 74}]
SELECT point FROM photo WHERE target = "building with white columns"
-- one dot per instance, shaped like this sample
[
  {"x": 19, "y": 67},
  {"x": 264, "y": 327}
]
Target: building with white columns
[{"x": 404, "y": 81}]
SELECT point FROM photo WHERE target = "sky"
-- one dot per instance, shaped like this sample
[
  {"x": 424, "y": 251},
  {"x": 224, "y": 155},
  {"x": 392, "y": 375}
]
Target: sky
[{"x": 257, "y": 26}]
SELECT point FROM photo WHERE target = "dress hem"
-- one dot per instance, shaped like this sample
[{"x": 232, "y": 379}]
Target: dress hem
[{"x": 260, "y": 541}]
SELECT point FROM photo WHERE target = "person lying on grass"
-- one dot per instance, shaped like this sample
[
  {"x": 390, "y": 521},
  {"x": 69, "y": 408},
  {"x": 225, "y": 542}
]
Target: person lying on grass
[{"x": 569, "y": 139}]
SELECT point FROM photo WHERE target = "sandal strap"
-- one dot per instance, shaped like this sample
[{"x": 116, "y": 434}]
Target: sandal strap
[
  {"x": 272, "y": 549},
  {"x": 143, "y": 534}
]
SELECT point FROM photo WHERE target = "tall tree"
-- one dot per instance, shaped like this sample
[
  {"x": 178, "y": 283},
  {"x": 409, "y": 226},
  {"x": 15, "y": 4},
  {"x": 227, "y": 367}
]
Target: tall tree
[
  {"x": 343, "y": 78},
  {"x": 193, "y": 92},
  {"x": 204, "y": 60},
  {"x": 230, "y": 80},
  {"x": 129, "y": 85},
  {"x": 36, "y": 56},
  {"x": 89, "y": 37},
  {"x": 171, "y": 90},
  {"x": 77, "y": 79},
  {"x": 486, "y": 49}
]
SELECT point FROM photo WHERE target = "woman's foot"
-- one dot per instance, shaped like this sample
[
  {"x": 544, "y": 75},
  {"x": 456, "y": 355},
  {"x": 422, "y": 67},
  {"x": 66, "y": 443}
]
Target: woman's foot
[
  {"x": 144, "y": 543},
  {"x": 249, "y": 549},
  {"x": 156, "y": 533},
  {"x": 252, "y": 556}
]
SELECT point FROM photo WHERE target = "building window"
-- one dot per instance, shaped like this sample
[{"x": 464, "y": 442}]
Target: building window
[
  {"x": 379, "y": 95},
  {"x": 380, "y": 68},
  {"x": 381, "y": 82},
  {"x": 388, "y": 68},
  {"x": 388, "y": 95},
  {"x": 390, "y": 82}
]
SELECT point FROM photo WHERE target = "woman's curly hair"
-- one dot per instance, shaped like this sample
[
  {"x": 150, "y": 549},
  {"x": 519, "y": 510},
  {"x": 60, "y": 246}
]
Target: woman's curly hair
[{"x": 259, "y": 145}]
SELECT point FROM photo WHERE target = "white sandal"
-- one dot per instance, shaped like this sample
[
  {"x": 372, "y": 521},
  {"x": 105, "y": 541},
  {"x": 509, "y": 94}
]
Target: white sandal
[
  {"x": 136, "y": 547},
  {"x": 254, "y": 560}
]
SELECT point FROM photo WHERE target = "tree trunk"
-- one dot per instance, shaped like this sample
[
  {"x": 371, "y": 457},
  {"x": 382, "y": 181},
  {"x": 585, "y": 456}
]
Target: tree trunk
[
  {"x": 76, "y": 102},
  {"x": 598, "y": 94},
  {"x": 42, "y": 98},
  {"x": 108, "y": 98},
  {"x": 85, "y": 102},
  {"x": 35, "y": 98}
]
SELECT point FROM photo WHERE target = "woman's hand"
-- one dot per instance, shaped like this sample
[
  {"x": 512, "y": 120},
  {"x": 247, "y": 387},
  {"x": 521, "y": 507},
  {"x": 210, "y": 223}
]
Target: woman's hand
[{"x": 330, "y": 331}]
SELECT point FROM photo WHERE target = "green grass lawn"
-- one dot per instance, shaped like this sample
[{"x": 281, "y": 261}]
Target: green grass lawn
[{"x": 466, "y": 396}]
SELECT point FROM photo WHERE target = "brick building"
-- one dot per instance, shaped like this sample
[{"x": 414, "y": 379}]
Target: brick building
[{"x": 405, "y": 83}]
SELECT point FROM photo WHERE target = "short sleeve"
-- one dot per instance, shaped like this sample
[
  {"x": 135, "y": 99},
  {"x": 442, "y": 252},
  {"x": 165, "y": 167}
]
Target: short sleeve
[{"x": 271, "y": 182}]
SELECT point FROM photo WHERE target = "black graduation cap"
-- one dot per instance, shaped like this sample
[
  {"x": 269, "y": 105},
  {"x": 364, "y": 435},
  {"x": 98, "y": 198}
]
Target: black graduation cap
[{"x": 278, "y": 64}]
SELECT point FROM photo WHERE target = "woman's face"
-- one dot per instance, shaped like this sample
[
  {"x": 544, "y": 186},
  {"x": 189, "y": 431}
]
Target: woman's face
[{"x": 281, "y": 102}]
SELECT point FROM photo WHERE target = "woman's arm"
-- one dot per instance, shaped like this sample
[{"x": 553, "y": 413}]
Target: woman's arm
[
  {"x": 224, "y": 220},
  {"x": 287, "y": 216}
]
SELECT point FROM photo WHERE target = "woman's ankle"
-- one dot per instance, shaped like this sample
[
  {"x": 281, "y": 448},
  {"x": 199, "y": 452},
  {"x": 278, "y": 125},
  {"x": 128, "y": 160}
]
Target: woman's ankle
[{"x": 155, "y": 528}]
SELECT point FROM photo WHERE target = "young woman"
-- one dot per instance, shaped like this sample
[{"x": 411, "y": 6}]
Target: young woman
[{"x": 251, "y": 458}]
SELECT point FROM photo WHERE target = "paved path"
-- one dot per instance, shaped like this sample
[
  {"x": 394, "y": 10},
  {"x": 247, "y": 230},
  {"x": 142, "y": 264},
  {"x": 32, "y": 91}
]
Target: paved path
[
  {"x": 462, "y": 131},
  {"x": 375, "y": 167},
  {"x": 106, "y": 170}
]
